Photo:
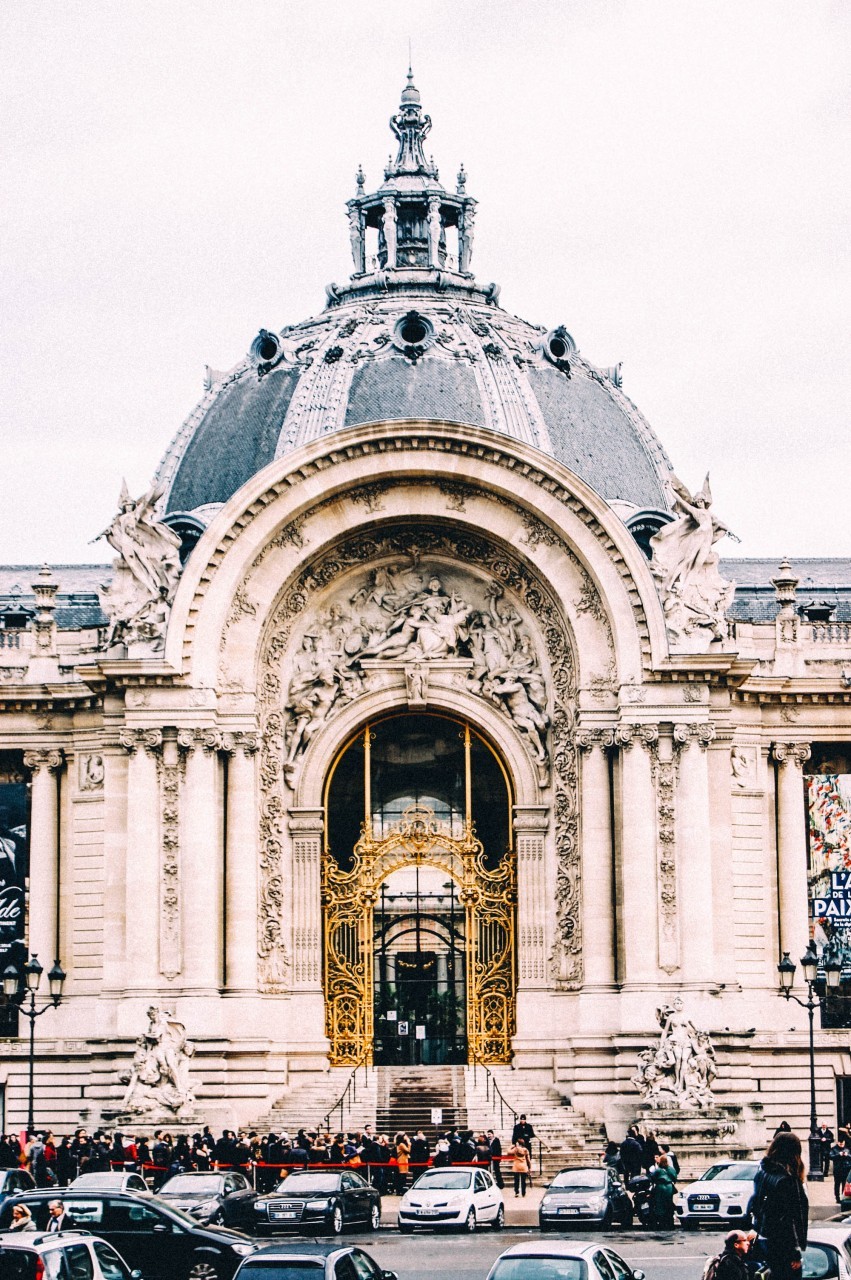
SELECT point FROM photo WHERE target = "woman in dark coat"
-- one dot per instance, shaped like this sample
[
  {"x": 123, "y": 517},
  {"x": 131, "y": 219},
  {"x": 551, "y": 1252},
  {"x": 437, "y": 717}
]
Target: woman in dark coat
[
  {"x": 662, "y": 1196},
  {"x": 780, "y": 1208}
]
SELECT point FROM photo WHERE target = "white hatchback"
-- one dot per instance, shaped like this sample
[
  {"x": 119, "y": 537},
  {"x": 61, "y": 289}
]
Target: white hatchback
[{"x": 455, "y": 1196}]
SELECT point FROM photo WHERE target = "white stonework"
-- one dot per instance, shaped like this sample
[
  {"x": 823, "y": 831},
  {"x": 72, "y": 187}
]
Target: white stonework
[{"x": 178, "y": 819}]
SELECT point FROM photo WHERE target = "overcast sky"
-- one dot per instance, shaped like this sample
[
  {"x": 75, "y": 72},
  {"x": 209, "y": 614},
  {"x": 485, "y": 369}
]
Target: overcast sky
[{"x": 667, "y": 178}]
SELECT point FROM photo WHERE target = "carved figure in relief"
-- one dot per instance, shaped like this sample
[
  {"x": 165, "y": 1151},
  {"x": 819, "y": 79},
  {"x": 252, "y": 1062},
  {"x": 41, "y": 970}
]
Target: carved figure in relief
[
  {"x": 680, "y": 1071},
  {"x": 159, "y": 1076},
  {"x": 694, "y": 596},
  {"x": 147, "y": 570},
  {"x": 388, "y": 225},
  {"x": 313, "y": 689},
  {"x": 91, "y": 773},
  {"x": 434, "y": 229},
  {"x": 430, "y": 625},
  {"x": 742, "y": 767}
]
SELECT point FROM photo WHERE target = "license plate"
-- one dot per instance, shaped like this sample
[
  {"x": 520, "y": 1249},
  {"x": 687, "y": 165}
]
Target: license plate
[
  {"x": 284, "y": 1213},
  {"x": 568, "y": 1210},
  {"x": 429, "y": 1213}
]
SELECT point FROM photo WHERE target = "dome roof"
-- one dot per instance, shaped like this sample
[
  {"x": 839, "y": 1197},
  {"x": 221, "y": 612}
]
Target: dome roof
[{"x": 412, "y": 336}]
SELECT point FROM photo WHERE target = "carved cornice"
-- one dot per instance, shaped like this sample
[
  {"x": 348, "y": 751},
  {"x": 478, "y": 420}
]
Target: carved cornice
[
  {"x": 784, "y": 753},
  {"x": 50, "y": 759}
]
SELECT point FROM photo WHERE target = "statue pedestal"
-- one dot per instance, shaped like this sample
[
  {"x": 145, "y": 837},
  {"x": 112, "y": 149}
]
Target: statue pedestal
[
  {"x": 700, "y": 1138},
  {"x": 136, "y": 1122}
]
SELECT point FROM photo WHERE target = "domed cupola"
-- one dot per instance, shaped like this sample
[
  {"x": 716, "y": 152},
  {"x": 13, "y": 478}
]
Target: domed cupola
[{"x": 412, "y": 335}]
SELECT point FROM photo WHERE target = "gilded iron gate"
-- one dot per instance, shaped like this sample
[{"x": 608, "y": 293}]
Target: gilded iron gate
[{"x": 488, "y": 895}]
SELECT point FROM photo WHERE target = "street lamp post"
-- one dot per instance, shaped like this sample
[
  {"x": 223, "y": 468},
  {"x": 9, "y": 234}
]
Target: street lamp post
[
  {"x": 834, "y": 980},
  {"x": 19, "y": 988}
]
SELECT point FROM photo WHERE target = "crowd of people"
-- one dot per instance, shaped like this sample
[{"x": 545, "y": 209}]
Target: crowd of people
[{"x": 388, "y": 1163}]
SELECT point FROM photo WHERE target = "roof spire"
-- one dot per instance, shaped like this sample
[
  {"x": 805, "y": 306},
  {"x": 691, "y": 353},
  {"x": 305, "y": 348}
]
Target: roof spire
[{"x": 410, "y": 126}]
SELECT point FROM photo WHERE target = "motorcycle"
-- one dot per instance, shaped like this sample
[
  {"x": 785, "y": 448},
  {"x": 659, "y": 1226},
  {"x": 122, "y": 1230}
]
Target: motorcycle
[{"x": 641, "y": 1189}]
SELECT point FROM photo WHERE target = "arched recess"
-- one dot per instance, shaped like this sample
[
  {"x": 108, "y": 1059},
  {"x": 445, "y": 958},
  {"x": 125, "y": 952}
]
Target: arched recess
[
  {"x": 470, "y": 568},
  {"x": 419, "y": 812}
]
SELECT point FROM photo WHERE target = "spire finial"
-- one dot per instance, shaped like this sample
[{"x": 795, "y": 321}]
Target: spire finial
[
  {"x": 360, "y": 180},
  {"x": 410, "y": 126}
]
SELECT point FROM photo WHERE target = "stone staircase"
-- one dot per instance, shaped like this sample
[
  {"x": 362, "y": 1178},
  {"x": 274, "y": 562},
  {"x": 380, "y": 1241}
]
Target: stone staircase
[
  {"x": 566, "y": 1135},
  {"x": 407, "y": 1096},
  {"x": 311, "y": 1097}
]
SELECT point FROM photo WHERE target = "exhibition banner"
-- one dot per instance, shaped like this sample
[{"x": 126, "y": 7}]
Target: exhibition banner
[{"x": 829, "y": 811}]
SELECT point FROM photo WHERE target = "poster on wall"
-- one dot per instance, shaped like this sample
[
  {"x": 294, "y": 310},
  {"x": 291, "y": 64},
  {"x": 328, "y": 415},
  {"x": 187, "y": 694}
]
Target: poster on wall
[
  {"x": 829, "y": 875},
  {"x": 14, "y": 870}
]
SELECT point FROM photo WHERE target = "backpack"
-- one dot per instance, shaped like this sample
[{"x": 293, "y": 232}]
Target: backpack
[{"x": 711, "y": 1269}]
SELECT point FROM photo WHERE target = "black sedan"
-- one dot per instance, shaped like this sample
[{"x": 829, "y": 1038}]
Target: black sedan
[
  {"x": 592, "y": 1195},
  {"x": 162, "y": 1243},
  {"x": 220, "y": 1198},
  {"x": 311, "y": 1261},
  {"x": 314, "y": 1200}
]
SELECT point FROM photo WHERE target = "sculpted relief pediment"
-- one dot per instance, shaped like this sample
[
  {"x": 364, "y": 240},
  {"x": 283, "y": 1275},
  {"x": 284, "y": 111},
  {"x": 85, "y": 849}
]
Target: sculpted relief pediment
[{"x": 411, "y": 624}]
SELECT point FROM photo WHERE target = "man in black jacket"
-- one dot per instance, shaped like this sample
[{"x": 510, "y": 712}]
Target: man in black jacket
[
  {"x": 496, "y": 1158},
  {"x": 524, "y": 1130},
  {"x": 632, "y": 1156},
  {"x": 840, "y": 1158}
]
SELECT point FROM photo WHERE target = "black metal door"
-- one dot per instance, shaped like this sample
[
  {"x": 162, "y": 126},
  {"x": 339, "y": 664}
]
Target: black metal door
[{"x": 420, "y": 978}]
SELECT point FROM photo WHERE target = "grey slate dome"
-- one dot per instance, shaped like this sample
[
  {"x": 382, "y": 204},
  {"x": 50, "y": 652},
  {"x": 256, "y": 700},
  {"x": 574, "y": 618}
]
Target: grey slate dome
[{"x": 412, "y": 335}]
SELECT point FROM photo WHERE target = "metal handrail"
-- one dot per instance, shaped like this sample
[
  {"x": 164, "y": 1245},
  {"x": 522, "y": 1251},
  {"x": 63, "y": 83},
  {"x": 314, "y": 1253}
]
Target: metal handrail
[
  {"x": 351, "y": 1088},
  {"x": 491, "y": 1084}
]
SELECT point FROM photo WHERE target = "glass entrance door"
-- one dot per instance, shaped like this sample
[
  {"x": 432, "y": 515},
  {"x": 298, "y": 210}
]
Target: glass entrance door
[{"x": 420, "y": 970}]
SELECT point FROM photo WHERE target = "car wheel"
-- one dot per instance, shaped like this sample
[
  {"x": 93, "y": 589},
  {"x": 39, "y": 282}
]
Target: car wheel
[
  {"x": 470, "y": 1221},
  {"x": 335, "y": 1222},
  {"x": 375, "y": 1217},
  {"x": 218, "y": 1218},
  {"x": 203, "y": 1269},
  {"x": 406, "y": 1228},
  {"x": 499, "y": 1220}
]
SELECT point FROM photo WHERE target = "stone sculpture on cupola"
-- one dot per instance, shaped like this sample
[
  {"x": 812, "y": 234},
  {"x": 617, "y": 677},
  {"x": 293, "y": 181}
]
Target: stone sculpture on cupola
[{"x": 695, "y": 597}]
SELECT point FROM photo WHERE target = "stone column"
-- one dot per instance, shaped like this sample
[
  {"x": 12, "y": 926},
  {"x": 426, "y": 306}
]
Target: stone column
[
  {"x": 533, "y": 908},
  {"x": 241, "y": 866},
  {"x": 201, "y": 870},
  {"x": 115, "y": 865},
  {"x": 142, "y": 879},
  {"x": 792, "y": 847},
  {"x": 638, "y": 910},
  {"x": 694, "y": 881},
  {"x": 598, "y": 909},
  {"x": 306, "y": 827},
  {"x": 44, "y": 855}
]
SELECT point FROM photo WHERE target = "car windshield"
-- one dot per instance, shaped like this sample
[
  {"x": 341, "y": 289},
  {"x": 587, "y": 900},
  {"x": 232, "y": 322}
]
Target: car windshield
[
  {"x": 445, "y": 1180},
  {"x": 308, "y": 1184},
  {"x": 580, "y": 1180},
  {"x": 537, "y": 1267},
  {"x": 730, "y": 1173},
  {"x": 270, "y": 1269},
  {"x": 819, "y": 1261},
  {"x": 203, "y": 1184}
]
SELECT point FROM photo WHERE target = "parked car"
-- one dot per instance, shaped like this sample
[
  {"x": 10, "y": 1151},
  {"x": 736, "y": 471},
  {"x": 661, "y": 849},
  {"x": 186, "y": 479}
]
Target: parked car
[
  {"x": 561, "y": 1260},
  {"x": 28, "y": 1256},
  {"x": 212, "y": 1197},
  {"x": 316, "y": 1199},
  {"x": 720, "y": 1196},
  {"x": 13, "y": 1181},
  {"x": 828, "y": 1253},
  {"x": 312, "y": 1260},
  {"x": 164, "y": 1243},
  {"x": 111, "y": 1182},
  {"x": 459, "y": 1196},
  {"x": 585, "y": 1195}
]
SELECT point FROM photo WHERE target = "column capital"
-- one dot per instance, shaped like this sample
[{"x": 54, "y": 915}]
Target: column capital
[
  {"x": 797, "y": 753},
  {"x": 531, "y": 817},
  {"x": 628, "y": 734},
  {"x": 247, "y": 742},
  {"x": 589, "y": 738},
  {"x": 306, "y": 822},
  {"x": 700, "y": 734},
  {"x": 50, "y": 759},
  {"x": 133, "y": 740},
  {"x": 210, "y": 741}
]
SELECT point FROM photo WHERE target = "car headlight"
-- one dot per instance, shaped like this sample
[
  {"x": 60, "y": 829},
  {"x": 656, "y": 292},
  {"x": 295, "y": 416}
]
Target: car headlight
[
  {"x": 261, "y": 1205},
  {"x": 318, "y": 1204},
  {"x": 243, "y": 1250},
  {"x": 547, "y": 1200},
  {"x": 206, "y": 1206}
]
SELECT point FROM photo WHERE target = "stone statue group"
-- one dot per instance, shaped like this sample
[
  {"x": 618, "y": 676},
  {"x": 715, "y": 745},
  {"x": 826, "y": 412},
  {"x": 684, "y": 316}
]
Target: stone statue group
[
  {"x": 680, "y": 1070},
  {"x": 398, "y": 616},
  {"x": 158, "y": 1080}
]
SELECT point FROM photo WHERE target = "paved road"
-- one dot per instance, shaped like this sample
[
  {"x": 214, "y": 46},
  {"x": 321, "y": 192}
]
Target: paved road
[{"x": 438, "y": 1256}]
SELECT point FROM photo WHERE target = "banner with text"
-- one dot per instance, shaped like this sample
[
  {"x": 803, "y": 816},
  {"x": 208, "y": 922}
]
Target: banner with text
[{"x": 829, "y": 877}]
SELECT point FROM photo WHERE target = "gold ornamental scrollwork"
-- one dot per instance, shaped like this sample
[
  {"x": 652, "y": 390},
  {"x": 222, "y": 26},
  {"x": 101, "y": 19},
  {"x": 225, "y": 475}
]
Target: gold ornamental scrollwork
[{"x": 488, "y": 895}]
